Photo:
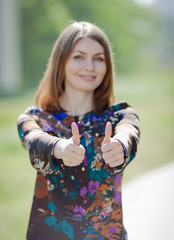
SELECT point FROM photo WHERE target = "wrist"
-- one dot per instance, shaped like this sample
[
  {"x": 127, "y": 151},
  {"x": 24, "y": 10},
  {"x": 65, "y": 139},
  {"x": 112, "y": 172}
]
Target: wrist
[
  {"x": 57, "y": 149},
  {"x": 124, "y": 149}
]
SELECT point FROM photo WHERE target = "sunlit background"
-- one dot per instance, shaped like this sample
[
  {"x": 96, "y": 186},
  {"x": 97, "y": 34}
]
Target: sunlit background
[{"x": 142, "y": 36}]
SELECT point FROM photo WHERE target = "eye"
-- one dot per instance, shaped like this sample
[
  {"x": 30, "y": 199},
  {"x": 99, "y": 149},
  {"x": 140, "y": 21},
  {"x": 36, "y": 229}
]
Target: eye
[
  {"x": 78, "y": 57},
  {"x": 99, "y": 59}
]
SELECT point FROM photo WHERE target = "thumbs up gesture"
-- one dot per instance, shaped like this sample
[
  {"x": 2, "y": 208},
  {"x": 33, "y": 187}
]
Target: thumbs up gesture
[
  {"x": 70, "y": 150},
  {"x": 113, "y": 153},
  {"x": 108, "y": 133},
  {"x": 75, "y": 133}
]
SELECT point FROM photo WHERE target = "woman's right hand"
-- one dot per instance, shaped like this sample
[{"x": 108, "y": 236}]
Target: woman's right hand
[{"x": 70, "y": 150}]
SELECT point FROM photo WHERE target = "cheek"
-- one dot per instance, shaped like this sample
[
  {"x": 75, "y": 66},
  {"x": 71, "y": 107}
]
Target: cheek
[
  {"x": 103, "y": 71},
  {"x": 73, "y": 65},
  {"x": 101, "y": 68},
  {"x": 68, "y": 67}
]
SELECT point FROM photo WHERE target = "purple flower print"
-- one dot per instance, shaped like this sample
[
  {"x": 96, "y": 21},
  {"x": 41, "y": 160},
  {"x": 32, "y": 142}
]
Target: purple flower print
[
  {"x": 83, "y": 191},
  {"x": 76, "y": 209},
  {"x": 112, "y": 230},
  {"x": 79, "y": 211},
  {"x": 48, "y": 128},
  {"x": 92, "y": 186},
  {"x": 94, "y": 119},
  {"x": 110, "y": 113},
  {"x": 117, "y": 188},
  {"x": 85, "y": 161}
]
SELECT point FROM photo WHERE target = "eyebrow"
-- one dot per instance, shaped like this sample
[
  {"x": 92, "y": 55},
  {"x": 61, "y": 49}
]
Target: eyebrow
[{"x": 85, "y": 53}]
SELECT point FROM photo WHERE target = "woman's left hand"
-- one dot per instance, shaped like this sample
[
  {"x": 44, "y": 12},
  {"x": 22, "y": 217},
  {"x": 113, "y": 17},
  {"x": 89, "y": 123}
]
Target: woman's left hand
[{"x": 113, "y": 153}]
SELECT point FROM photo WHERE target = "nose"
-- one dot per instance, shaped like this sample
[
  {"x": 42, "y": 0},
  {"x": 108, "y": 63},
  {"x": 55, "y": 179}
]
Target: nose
[{"x": 89, "y": 65}]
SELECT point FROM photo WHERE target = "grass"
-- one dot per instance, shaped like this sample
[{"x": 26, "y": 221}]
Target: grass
[{"x": 153, "y": 99}]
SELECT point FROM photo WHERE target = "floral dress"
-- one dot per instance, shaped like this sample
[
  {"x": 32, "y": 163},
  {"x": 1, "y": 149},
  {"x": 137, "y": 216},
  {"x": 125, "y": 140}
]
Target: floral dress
[{"x": 82, "y": 202}]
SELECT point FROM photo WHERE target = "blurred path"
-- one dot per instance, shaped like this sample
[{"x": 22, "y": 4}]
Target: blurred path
[{"x": 148, "y": 205}]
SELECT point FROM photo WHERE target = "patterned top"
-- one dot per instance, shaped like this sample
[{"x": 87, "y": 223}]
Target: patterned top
[{"x": 82, "y": 202}]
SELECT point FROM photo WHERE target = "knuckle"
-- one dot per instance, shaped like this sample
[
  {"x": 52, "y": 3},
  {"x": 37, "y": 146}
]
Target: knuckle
[
  {"x": 65, "y": 163},
  {"x": 68, "y": 147},
  {"x": 122, "y": 160},
  {"x": 65, "y": 155},
  {"x": 104, "y": 157},
  {"x": 81, "y": 158},
  {"x": 112, "y": 165},
  {"x": 121, "y": 149},
  {"x": 84, "y": 151}
]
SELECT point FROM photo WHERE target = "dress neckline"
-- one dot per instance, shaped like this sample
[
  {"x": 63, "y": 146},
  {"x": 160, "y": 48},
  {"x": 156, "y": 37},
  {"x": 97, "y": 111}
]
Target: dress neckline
[{"x": 61, "y": 115}]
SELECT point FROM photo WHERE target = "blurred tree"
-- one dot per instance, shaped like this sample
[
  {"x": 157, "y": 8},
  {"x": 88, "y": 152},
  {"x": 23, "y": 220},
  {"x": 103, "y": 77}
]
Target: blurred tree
[
  {"x": 164, "y": 45},
  {"x": 42, "y": 22},
  {"x": 10, "y": 54},
  {"x": 126, "y": 24}
]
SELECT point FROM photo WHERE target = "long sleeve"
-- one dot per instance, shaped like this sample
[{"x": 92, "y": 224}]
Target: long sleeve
[
  {"x": 128, "y": 133},
  {"x": 39, "y": 143},
  {"x": 40, "y": 131}
]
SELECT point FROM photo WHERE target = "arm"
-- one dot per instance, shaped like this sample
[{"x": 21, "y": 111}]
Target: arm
[
  {"x": 47, "y": 153},
  {"x": 127, "y": 132},
  {"x": 120, "y": 149},
  {"x": 39, "y": 144}
]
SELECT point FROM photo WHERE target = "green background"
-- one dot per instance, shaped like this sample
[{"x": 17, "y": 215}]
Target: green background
[{"x": 144, "y": 78}]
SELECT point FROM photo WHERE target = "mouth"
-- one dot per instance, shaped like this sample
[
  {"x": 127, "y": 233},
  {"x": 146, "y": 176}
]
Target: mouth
[{"x": 87, "y": 77}]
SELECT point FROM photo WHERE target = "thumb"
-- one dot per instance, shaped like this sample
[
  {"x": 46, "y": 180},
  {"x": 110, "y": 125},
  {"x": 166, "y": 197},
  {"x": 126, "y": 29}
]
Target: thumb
[
  {"x": 75, "y": 133},
  {"x": 108, "y": 133}
]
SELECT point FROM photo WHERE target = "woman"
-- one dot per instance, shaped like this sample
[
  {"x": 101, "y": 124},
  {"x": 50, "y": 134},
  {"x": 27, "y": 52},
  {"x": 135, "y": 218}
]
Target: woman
[{"x": 79, "y": 141}]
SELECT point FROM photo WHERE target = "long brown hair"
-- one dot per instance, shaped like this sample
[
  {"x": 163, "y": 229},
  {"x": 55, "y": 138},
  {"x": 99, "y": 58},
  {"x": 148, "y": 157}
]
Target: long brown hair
[{"x": 52, "y": 86}]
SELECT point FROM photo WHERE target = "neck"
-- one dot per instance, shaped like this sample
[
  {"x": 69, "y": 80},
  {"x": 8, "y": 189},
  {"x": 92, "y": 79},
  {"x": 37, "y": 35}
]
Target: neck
[{"x": 77, "y": 103}]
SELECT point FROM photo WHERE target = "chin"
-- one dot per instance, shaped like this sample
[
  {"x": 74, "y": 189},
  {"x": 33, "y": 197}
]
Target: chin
[
  {"x": 90, "y": 86},
  {"x": 87, "y": 89}
]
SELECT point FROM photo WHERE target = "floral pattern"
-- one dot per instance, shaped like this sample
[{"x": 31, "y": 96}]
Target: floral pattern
[{"x": 82, "y": 202}]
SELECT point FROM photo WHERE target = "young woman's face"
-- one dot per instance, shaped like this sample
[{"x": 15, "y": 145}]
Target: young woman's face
[{"x": 85, "y": 68}]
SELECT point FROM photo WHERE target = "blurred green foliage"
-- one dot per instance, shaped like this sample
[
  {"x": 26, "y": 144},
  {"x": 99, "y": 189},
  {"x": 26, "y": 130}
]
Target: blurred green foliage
[
  {"x": 144, "y": 78},
  {"x": 127, "y": 25}
]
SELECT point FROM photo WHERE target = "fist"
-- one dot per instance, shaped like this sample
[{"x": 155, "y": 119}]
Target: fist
[
  {"x": 113, "y": 153},
  {"x": 70, "y": 150}
]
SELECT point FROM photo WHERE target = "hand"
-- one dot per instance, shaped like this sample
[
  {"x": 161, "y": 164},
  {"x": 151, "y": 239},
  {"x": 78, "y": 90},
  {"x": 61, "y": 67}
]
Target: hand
[
  {"x": 113, "y": 153},
  {"x": 70, "y": 150}
]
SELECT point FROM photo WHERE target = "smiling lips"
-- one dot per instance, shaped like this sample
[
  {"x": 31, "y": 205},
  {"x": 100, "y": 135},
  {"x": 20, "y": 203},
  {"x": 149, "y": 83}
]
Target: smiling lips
[{"x": 88, "y": 77}]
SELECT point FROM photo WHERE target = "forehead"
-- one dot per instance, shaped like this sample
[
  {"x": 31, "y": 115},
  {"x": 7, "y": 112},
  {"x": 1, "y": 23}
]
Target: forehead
[{"x": 88, "y": 45}]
